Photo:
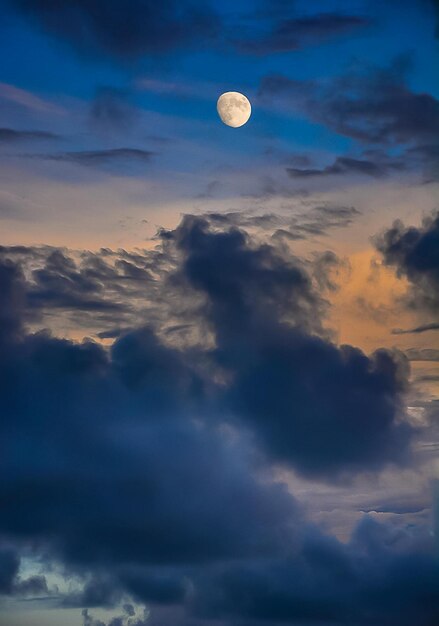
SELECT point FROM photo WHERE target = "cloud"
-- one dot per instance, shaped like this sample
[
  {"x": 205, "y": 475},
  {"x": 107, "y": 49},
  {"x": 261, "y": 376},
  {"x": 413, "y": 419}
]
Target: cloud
[
  {"x": 97, "y": 592},
  {"x": 422, "y": 354},
  {"x": 416, "y": 330},
  {"x": 100, "y": 292},
  {"x": 28, "y": 100},
  {"x": 370, "y": 105},
  {"x": 262, "y": 311},
  {"x": 321, "y": 409},
  {"x": 414, "y": 253},
  {"x": 9, "y": 565},
  {"x": 10, "y": 135},
  {"x": 378, "y": 577},
  {"x": 315, "y": 221},
  {"x": 128, "y": 618},
  {"x": 11, "y": 583},
  {"x": 147, "y": 467},
  {"x": 165, "y": 489},
  {"x": 32, "y": 586},
  {"x": 102, "y": 157},
  {"x": 120, "y": 30},
  {"x": 117, "y": 290},
  {"x": 290, "y": 34},
  {"x": 435, "y": 5},
  {"x": 345, "y": 165}
]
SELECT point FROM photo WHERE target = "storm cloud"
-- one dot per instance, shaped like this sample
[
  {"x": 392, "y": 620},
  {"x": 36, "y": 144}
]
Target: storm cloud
[{"x": 146, "y": 464}]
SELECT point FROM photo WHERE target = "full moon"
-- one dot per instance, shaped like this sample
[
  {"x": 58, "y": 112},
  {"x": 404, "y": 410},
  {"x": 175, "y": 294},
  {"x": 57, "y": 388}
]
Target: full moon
[{"x": 234, "y": 108}]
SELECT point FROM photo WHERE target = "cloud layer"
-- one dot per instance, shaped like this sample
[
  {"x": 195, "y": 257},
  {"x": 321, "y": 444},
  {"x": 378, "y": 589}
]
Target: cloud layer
[{"x": 146, "y": 469}]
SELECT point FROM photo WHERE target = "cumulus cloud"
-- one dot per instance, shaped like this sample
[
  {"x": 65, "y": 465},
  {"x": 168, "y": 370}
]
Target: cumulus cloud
[
  {"x": 414, "y": 253},
  {"x": 297, "y": 391},
  {"x": 379, "y": 577},
  {"x": 146, "y": 468}
]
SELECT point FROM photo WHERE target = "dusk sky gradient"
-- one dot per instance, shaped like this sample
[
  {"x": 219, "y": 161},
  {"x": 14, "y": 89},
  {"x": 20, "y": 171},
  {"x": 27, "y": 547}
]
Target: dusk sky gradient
[{"x": 219, "y": 347}]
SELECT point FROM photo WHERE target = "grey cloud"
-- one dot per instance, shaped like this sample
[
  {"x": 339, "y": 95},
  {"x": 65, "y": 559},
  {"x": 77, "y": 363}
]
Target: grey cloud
[
  {"x": 414, "y": 253},
  {"x": 101, "y": 157},
  {"x": 422, "y": 354},
  {"x": 11, "y": 135},
  {"x": 346, "y": 165},
  {"x": 373, "y": 106},
  {"x": 120, "y": 31},
  {"x": 416, "y": 330},
  {"x": 295, "y": 33}
]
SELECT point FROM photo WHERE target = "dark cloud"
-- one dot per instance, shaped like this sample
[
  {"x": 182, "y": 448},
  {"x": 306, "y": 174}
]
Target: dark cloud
[
  {"x": 435, "y": 4},
  {"x": 265, "y": 316},
  {"x": 11, "y": 135},
  {"x": 109, "y": 289},
  {"x": 417, "y": 329},
  {"x": 12, "y": 288},
  {"x": 377, "y": 578},
  {"x": 414, "y": 253},
  {"x": 312, "y": 405},
  {"x": 61, "y": 284},
  {"x": 115, "y": 447},
  {"x": 427, "y": 156},
  {"x": 290, "y": 34},
  {"x": 152, "y": 587},
  {"x": 116, "y": 290},
  {"x": 345, "y": 165},
  {"x": 144, "y": 469},
  {"x": 373, "y": 106},
  {"x": 9, "y": 566},
  {"x": 96, "y": 592},
  {"x": 97, "y": 158},
  {"x": 32, "y": 586},
  {"x": 123, "y": 30},
  {"x": 11, "y": 584}
]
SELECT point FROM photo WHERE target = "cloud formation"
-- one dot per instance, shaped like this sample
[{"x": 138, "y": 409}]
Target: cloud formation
[
  {"x": 294, "y": 33},
  {"x": 98, "y": 158},
  {"x": 265, "y": 314},
  {"x": 346, "y": 165},
  {"x": 414, "y": 253},
  {"x": 11, "y": 135},
  {"x": 371, "y": 105},
  {"x": 120, "y": 30},
  {"x": 147, "y": 467}
]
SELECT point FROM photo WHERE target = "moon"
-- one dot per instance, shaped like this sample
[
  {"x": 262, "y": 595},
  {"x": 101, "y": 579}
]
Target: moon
[{"x": 234, "y": 108}]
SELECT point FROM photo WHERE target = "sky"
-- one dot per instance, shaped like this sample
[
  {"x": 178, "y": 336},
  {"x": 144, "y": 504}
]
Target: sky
[{"x": 219, "y": 347}]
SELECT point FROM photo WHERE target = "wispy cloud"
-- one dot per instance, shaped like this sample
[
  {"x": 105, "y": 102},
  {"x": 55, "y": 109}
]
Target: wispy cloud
[
  {"x": 11, "y": 135},
  {"x": 416, "y": 330},
  {"x": 29, "y": 100}
]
